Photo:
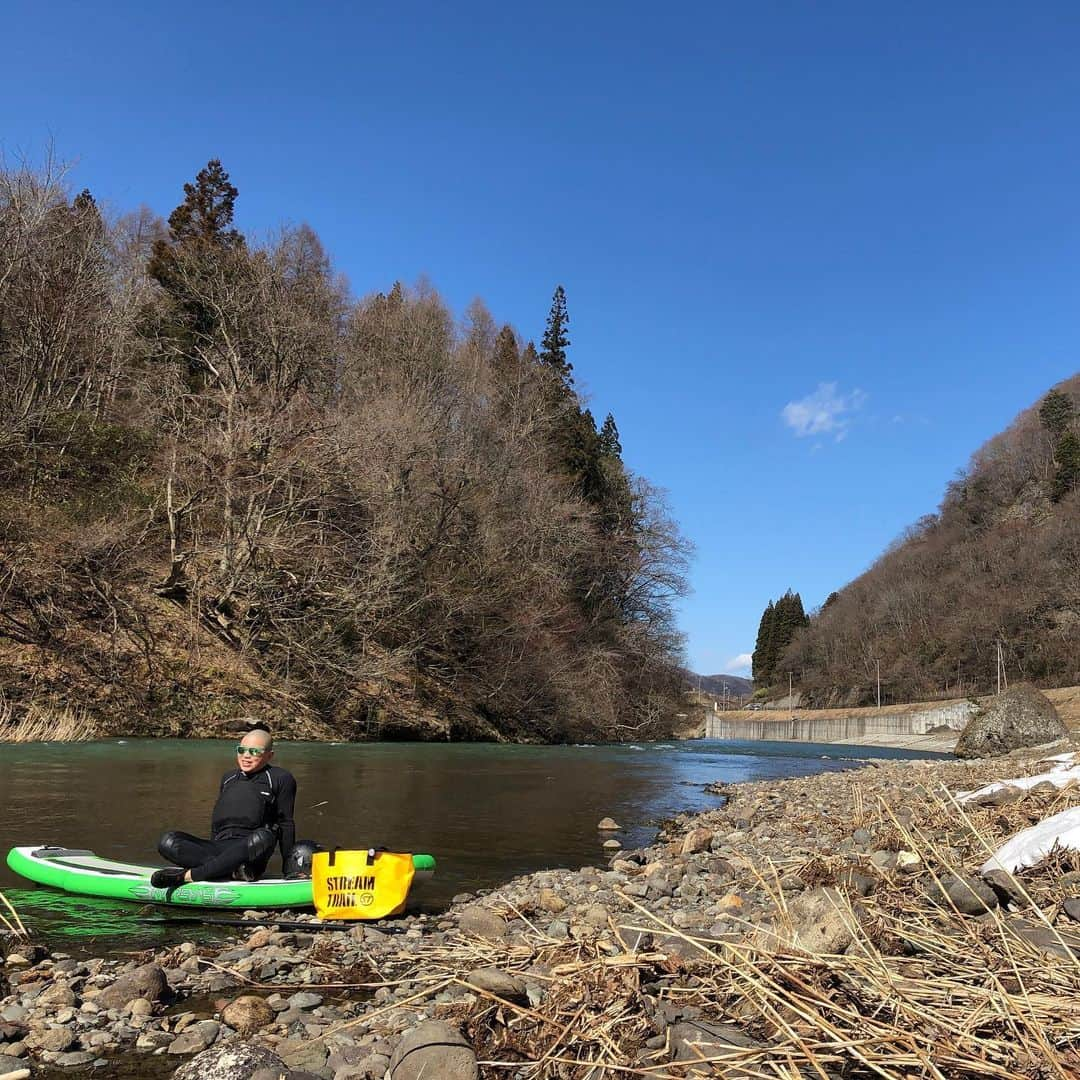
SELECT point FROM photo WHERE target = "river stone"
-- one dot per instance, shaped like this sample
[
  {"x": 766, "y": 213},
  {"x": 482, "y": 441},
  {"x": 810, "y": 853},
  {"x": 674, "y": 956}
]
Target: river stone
[
  {"x": 11, "y": 1064},
  {"x": 1020, "y": 716},
  {"x": 58, "y": 994},
  {"x": 304, "y": 999},
  {"x": 56, "y": 1039},
  {"x": 146, "y": 982},
  {"x": 969, "y": 895},
  {"x": 434, "y": 1049},
  {"x": 247, "y": 1014},
  {"x": 608, "y": 825},
  {"x": 697, "y": 840},
  {"x": 819, "y": 922},
  {"x": 234, "y": 1061},
  {"x": 482, "y": 923},
  {"x": 499, "y": 983},
  {"x": 1008, "y": 889},
  {"x": 690, "y": 1041},
  {"x": 195, "y": 1038},
  {"x": 1072, "y": 909},
  {"x": 611, "y": 845},
  {"x": 551, "y": 901},
  {"x": 303, "y": 1053}
]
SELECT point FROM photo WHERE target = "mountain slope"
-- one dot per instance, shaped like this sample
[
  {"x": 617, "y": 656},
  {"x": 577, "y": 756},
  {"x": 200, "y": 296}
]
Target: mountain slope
[{"x": 998, "y": 567}]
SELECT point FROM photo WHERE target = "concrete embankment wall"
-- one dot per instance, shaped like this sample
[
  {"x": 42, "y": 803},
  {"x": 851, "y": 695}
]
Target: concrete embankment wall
[{"x": 850, "y": 728}]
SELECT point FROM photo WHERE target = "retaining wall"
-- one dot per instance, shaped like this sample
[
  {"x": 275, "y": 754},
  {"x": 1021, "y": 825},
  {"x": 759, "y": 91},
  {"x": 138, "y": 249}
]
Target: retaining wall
[{"x": 821, "y": 729}]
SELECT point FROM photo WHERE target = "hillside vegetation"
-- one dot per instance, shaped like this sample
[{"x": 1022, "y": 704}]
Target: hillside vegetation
[
  {"x": 997, "y": 566},
  {"x": 228, "y": 485}
]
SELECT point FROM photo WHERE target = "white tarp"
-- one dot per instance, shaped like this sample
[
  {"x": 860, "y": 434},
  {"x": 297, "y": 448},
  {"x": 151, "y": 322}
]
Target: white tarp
[
  {"x": 1031, "y": 846},
  {"x": 1061, "y": 774}
]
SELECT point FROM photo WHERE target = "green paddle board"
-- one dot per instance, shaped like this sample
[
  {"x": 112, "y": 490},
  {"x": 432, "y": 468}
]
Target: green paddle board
[{"x": 82, "y": 872}]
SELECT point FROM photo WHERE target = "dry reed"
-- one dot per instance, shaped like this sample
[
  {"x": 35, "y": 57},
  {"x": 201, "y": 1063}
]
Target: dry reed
[
  {"x": 34, "y": 723},
  {"x": 922, "y": 991}
]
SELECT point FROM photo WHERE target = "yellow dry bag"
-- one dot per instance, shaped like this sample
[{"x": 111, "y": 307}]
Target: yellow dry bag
[{"x": 360, "y": 884}]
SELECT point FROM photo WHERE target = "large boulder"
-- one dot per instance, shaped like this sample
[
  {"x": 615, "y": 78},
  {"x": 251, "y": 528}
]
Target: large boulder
[
  {"x": 1021, "y": 716},
  {"x": 235, "y": 1061}
]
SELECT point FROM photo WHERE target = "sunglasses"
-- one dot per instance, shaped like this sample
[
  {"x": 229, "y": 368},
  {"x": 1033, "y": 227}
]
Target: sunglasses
[{"x": 250, "y": 751}]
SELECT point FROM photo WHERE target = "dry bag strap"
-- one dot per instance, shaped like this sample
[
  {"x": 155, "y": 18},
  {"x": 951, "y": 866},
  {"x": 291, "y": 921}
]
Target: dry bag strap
[{"x": 371, "y": 853}]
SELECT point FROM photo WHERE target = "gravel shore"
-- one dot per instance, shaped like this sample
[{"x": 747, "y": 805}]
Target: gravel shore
[{"x": 829, "y": 926}]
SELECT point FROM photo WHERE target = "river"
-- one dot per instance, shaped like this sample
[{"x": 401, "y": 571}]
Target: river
[{"x": 487, "y": 812}]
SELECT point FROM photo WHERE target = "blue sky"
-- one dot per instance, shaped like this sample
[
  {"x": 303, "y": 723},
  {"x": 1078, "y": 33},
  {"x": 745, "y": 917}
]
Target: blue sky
[{"x": 815, "y": 254}]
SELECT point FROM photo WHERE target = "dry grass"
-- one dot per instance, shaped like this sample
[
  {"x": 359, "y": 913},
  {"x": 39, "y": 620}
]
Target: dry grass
[
  {"x": 922, "y": 992},
  {"x": 34, "y": 723}
]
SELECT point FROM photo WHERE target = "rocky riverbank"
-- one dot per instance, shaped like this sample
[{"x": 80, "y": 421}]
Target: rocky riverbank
[{"x": 829, "y": 926}]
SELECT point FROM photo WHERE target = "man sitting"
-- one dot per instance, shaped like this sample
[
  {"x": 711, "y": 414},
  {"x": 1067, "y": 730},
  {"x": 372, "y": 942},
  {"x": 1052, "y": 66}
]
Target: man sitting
[{"x": 253, "y": 812}]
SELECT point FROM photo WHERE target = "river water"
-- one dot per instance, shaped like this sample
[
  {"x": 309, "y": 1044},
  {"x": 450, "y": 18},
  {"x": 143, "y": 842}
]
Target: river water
[{"x": 487, "y": 812}]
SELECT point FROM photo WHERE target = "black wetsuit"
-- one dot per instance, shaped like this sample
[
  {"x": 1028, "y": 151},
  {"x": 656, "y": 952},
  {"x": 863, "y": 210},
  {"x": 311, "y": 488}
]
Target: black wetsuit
[{"x": 253, "y": 812}]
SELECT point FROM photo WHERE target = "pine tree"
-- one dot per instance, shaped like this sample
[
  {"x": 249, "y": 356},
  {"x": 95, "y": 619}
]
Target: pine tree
[
  {"x": 555, "y": 340},
  {"x": 1067, "y": 476},
  {"x": 780, "y": 622},
  {"x": 760, "y": 669},
  {"x": 506, "y": 358},
  {"x": 1056, "y": 412},
  {"x": 609, "y": 438},
  {"x": 200, "y": 241}
]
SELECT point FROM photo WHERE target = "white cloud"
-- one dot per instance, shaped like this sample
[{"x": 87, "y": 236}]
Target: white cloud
[
  {"x": 824, "y": 412},
  {"x": 738, "y": 665}
]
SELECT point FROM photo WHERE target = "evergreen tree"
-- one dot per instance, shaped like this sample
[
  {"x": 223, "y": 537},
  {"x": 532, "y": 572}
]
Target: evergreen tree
[
  {"x": 780, "y": 622},
  {"x": 506, "y": 358},
  {"x": 1067, "y": 476},
  {"x": 609, "y": 438},
  {"x": 200, "y": 242},
  {"x": 1056, "y": 412},
  {"x": 760, "y": 670},
  {"x": 555, "y": 340}
]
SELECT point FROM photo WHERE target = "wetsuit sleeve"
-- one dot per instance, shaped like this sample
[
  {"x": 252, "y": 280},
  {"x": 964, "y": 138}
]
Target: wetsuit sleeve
[{"x": 285, "y": 803}]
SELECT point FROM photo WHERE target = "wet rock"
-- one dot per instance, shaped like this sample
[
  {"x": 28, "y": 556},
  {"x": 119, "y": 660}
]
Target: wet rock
[
  {"x": 1020, "y": 716},
  {"x": 482, "y": 923},
  {"x": 74, "y": 1057},
  {"x": 434, "y": 1049},
  {"x": 612, "y": 845},
  {"x": 235, "y": 1061},
  {"x": 608, "y": 825},
  {"x": 967, "y": 894},
  {"x": 248, "y": 1014},
  {"x": 146, "y": 982}
]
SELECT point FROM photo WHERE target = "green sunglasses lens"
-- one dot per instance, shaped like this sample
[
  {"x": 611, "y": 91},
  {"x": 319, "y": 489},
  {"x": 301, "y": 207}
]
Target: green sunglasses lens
[{"x": 251, "y": 751}]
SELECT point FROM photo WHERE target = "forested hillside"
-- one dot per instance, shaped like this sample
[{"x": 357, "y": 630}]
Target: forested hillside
[
  {"x": 998, "y": 565},
  {"x": 227, "y": 484}
]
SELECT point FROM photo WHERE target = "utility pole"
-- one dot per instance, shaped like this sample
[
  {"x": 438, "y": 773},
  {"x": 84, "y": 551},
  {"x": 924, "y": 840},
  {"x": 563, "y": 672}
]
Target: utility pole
[
  {"x": 790, "y": 702},
  {"x": 877, "y": 666}
]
